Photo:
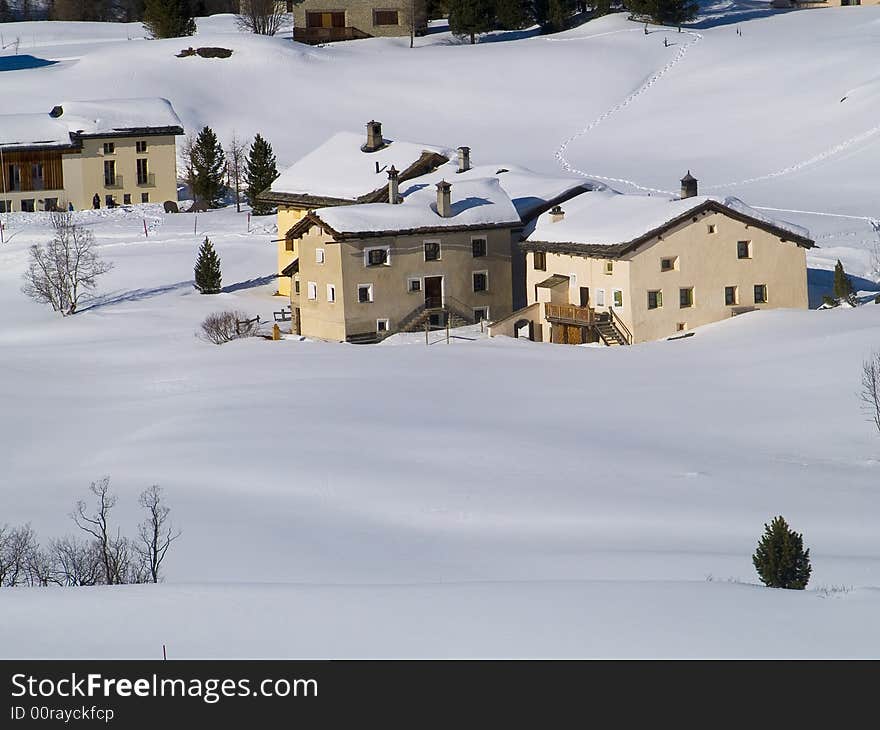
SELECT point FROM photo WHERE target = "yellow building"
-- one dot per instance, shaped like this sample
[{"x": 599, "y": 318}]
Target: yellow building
[
  {"x": 621, "y": 269},
  {"x": 88, "y": 154}
]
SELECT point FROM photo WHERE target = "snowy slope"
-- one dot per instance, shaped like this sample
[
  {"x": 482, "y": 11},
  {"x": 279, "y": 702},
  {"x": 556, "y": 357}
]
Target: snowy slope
[{"x": 517, "y": 499}]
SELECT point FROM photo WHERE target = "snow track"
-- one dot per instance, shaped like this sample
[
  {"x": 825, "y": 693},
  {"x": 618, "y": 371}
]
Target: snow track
[{"x": 651, "y": 82}]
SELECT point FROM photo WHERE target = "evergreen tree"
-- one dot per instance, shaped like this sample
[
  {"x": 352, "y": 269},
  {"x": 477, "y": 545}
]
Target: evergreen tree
[
  {"x": 169, "y": 18},
  {"x": 668, "y": 12},
  {"x": 780, "y": 559},
  {"x": 208, "y": 166},
  {"x": 843, "y": 289},
  {"x": 470, "y": 17},
  {"x": 260, "y": 171},
  {"x": 512, "y": 14},
  {"x": 207, "y": 269},
  {"x": 558, "y": 14}
]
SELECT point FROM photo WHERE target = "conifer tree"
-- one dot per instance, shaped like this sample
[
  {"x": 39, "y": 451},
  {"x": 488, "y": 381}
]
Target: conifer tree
[
  {"x": 470, "y": 17},
  {"x": 512, "y": 14},
  {"x": 843, "y": 289},
  {"x": 260, "y": 171},
  {"x": 207, "y": 269},
  {"x": 209, "y": 166},
  {"x": 169, "y": 18},
  {"x": 780, "y": 559}
]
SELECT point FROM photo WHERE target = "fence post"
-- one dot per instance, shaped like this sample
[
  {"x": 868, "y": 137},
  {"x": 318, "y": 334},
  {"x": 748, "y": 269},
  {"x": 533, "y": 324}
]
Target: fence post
[
  {"x": 426, "y": 332},
  {"x": 447, "y": 328}
]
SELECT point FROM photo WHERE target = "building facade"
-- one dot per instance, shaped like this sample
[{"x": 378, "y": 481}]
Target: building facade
[
  {"x": 664, "y": 267},
  {"x": 322, "y": 21},
  {"x": 89, "y": 154}
]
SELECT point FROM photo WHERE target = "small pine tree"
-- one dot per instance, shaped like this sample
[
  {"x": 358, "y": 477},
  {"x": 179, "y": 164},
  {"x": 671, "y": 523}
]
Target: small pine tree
[
  {"x": 260, "y": 171},
  {"x": 168, "y": 18},
  {"x": 209, "y": 166},
  {"x": 843, "y": 288},
  {"x": 207, "y": 269},
  {"x": 467, "y": 18},
  {"x": 512, "y": 14},
  {"x": 780, "y": 559}
]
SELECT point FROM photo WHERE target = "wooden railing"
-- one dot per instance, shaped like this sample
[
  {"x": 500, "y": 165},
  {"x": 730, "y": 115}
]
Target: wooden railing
[
  {"x": 621, "y": 327},
  {"x": 569, "y": 313},
  {"x": 313, "y": 36}
]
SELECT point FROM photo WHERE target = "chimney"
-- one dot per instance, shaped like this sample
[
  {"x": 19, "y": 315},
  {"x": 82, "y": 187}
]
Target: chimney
[
  {"x": 374, "y": 137},
  {"x": 444, "y": 199},
  {"x": 556, "y": 214},
  {"x": 464, "y": 159},
  {"x": 688, "y": 186},
  {"x": 393, "y": 186}
]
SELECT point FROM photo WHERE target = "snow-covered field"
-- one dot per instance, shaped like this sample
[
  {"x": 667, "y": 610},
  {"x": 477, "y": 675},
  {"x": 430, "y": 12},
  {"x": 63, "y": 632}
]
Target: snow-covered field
[{"x": 498, "y": 497}]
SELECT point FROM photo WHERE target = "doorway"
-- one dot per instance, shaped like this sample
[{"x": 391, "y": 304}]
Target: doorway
[{"x": 433, "y": 292}]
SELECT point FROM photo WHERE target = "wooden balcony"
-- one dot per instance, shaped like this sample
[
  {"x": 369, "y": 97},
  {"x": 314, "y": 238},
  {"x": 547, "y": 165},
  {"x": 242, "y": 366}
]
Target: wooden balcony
[
  {"x": 314, "y": 36},
  {"x": 569, "y": 314}
]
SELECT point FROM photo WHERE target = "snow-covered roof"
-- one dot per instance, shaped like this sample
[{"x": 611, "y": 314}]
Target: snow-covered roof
[
  {"x": 608, "y": 218},
  {"x": 85, "y": 118},
  {"x": 340, "y": 169},
  {"x": 475, "y": 203}
]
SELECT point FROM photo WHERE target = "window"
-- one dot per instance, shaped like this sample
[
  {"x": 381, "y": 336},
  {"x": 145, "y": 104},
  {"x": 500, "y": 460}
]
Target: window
[
  {"x": 668, "y": 264},
  {"x": 617, "y": 297},
  {"x": 655, "y": 299},
  {"x": 15, "y": 177},
  {"x": 481, "y": 313},
  {"x": 711, "y": 228},
  {"x": 376, "y": 256},
  {"x": 760, "y": 293},
  {"x": 365, "y": 293},
  {"x": 142, "y": 176},
  {"x": 432, "y": 250},
  {"x": 50, "y": 204},
  {"x": 609, "y": 267},
  {"x": 109, "y": 201},
  {"x": 381, "y": 325},
  {"x": 109, "y": 148},
  {"x": 141, "y": 146},
  {"x": 27, "y": 205},
  {"x": 145, "y": 197},
  {"x": 109, "y": 173},
  {"x": 331, "y": 293},
  {"x": 539, "y": 259},
  {"x": 686, "y": 297},
  {"x": 385, "y": 17},
  {"x": 5, "y": 206},
  {"x": 288, "y": 244},
  {"x": 479, "y": 247},
  {"x": 731, "y": 295},
  {"x": 481, "y": 281},
  {"x": 600, "y": 297},
  {"x": 126, "y": 199},
  {"x": 296, "y": 286},
  {"x": 414, "y": 285},
  {"x": 681, "y": 326},
  {"x": 319, "y": 255},
  {"x": 37, "y": 176},
  {"x": 313, "y": 290},
  {"x": 744, "y": 249}
]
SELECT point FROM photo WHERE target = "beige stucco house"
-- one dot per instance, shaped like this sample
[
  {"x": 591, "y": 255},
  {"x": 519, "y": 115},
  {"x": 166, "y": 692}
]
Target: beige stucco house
[
  {"x": 322, "y": 21},
  {"x": 381, "y": 236},
  {"x": 122, "y": 151},
  {"x": 622, "y": 269}
]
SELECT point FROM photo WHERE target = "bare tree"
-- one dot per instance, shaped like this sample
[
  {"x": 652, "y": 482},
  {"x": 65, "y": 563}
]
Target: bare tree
[
  {"x": 115, "y": 551},
  {"x": 870, "y": 393},
  {"x": 156, "y": 532},
  {"x": 236, "y": 155},
  {"x": 263, "y": 17},
  {"x": 64, "y": 270},
  {"x": 17, "y": 548},
  {"x": 76, "y": 562},
  {"x": 187, "y": 162}
]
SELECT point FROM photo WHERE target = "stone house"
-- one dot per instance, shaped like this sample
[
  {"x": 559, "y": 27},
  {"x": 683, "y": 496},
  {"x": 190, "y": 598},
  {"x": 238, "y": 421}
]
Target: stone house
[
  {"x": 322, "y": 21},
  {"x": 622, "y": 269},
  {"x": 117, "y": 152}
]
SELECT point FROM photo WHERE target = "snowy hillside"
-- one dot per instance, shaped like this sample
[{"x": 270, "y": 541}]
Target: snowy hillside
[{"x": 489, "y": 497}]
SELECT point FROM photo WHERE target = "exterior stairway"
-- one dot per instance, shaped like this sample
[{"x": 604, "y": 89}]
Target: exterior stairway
[
  {"x": 609, "y": 331},
  {"x": 415, "y": 321}
]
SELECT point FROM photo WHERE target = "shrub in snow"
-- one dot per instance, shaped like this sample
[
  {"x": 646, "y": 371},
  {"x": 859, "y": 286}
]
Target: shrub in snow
[
  {"x": 843, "y": 288},
  {"x": 780, "y": 559},
  {"x": 208, "y": 279},
  {"x": 168, "y": 18},
  {"x": 220, "y": 327},
  {"x": 62, "y": 271},
  {"x": 263, "y": 17},
  {"x": 261, "y": 171}
]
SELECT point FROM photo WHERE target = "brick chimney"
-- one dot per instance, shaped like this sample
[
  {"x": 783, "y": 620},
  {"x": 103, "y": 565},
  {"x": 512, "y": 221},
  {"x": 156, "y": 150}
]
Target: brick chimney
[
  {"x": 374, "y": 137},
  {"x": 393, "y": 186},
  {"x": 688, "y": 186},
  {"x": 464, "y": 159},
  {"x": 444, "y": 199},
  {"x": 556, "y": 214}
]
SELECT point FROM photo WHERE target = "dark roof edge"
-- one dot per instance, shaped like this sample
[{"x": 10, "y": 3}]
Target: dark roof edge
[{"x": 312, "y": 219}]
